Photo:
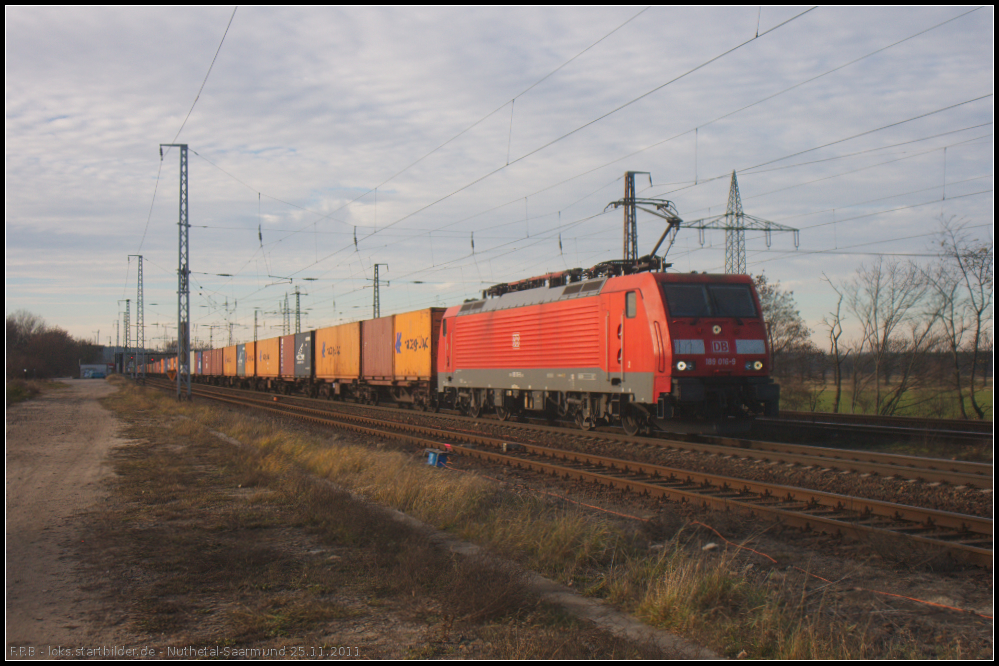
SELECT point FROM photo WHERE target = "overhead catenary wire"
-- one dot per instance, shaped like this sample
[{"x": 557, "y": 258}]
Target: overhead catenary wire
[
  {"x": 452, "y": 139},
  {"x": 696, "y": 128},
  {"x": 560, "y": 138},
  {"x": 207, "y": 74},
  {"x": 176, "y": 136},
  {"x": 572, "y": 132},
  {"x": 877, "y": 129},
  {"x": 483, "y": 236}
]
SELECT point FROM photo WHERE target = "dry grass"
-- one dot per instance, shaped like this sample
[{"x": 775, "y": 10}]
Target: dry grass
[
  {"x": 210, "y": 544},
  {"x": 479, "y": 610},
  {"x": 19, "y": 390}
]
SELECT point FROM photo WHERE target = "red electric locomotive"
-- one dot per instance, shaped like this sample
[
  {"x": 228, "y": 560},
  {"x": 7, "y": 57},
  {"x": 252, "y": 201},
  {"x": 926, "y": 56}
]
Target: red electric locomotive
[{"x": 680, "y": 352}]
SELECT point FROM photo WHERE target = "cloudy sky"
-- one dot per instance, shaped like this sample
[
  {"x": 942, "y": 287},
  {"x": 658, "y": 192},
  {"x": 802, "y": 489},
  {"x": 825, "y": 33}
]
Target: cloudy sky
[{"x": 416, "y": 131}]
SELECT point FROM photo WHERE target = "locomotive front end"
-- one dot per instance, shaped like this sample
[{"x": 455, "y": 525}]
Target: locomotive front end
[{"x": 718, "y": 364}]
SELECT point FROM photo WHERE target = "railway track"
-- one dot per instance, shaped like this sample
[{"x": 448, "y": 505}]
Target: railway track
[
  {"x": 946, "y": 425},
  {"x": 966, "y": 537},
  {"x": 932, "y": 470},
  {"x": 937, "y": 431}
]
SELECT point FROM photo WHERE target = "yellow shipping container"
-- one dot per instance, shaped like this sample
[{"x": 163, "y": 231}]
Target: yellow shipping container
[
  {"x": 268, "y": 357},
  {"x": 251, "y": 356},
  {"x": 416, "y": 343},
  {"x": 229, "y": 361},
  {"x": 338, "y": 352}
]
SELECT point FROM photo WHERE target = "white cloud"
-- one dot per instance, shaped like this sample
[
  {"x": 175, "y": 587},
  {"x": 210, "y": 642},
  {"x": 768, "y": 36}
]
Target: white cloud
[{"x": 314, "y": 107}]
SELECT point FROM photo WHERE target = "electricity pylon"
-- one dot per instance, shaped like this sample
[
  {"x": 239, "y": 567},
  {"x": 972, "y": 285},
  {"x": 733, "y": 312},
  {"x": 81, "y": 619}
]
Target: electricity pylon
[{"x": 736, "y": 222}]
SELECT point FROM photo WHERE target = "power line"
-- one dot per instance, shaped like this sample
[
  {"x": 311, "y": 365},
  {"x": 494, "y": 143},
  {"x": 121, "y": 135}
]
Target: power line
[
  {"x": 760, "y": 101},
  {"x": 890, "y": 240},
  {"x": 453, "y": 138},
  {"x": 743, "y": 171},
  {"x": 595, "y": 120},
  {"x": 151, "y": 203},
  {"x": 873, "y": 150},
  {"x": 568, "y": 134},
  {"x": 883, "y": 127},
  {"x": 588, "y": 172},
  {"x": 160, "y": 169},
  {"x": 865, "y": 168},
  {"x": 198, "y": 96},
  {"x": 572, "y": 132}
]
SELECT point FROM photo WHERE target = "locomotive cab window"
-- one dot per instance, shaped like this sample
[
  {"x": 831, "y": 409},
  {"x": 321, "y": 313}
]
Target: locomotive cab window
[
  {"x": 731, "y": 300},
  {"x": 444, "y": 328},
  {"x": 631, "y": 305},
  {"x": 687, "y": 300},
  {"x": 709, "y": 300}
]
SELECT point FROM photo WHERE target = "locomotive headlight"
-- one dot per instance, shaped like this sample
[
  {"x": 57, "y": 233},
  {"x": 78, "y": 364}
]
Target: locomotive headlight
[
  {"x": 684, "y": 365},
  {"x": 758, "y": 365},
  {"x": 716, "y": 329}
]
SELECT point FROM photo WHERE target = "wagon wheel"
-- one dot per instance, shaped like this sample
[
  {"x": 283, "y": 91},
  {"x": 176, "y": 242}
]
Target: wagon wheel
[
  {"x": 502, "y": 413},
  {"x": 583, "y": 421}
]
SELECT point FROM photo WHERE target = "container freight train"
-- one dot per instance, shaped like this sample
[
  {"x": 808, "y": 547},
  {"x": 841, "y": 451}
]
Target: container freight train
[{"x": 676, "y": 352}]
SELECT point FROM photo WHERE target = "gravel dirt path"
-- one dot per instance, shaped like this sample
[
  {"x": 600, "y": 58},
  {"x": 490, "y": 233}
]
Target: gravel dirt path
[{"x": 56, "y": 454}]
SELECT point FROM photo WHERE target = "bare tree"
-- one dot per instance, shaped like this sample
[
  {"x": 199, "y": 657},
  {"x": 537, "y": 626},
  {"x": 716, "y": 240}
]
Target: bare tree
[
  {"x": 834, "y": 322},
  {"x": 37, "y": 350},
  {"x": 887, "y": 299},
  {"x": 786, "y": 330},
  {"x": 963, "y": 284},
  {"x": 21, "y": 327}
]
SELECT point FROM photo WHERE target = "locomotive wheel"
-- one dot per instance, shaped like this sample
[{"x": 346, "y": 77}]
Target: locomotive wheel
[
  {"x": 474, "y": 409},
  {"x": 632, "y": 424}
]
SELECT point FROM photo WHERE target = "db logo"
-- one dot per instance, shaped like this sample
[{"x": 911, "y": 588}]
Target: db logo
[
  {"x": 719, "y": 346},
  {"x": 516, "y": 340}
]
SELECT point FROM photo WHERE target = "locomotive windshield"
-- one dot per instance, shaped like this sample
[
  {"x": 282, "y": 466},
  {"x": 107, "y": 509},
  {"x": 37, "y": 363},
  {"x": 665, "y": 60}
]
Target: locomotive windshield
[{"x": 709, "y": 300}]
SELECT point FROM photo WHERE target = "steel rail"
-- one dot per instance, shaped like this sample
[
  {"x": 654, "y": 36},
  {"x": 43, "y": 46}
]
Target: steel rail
[
  {"x": 955, "y": 425},
  {"x": 956, "y": 472},
  {"x": 958, "y": 438},
  {"x": 934, "y": 470},
  {"x": 960, "y": 534}
]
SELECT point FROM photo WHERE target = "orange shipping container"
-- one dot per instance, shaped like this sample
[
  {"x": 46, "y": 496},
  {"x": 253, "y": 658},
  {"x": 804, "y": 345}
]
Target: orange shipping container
[
  {"x": 415, "y": 350},
  {"x": 338, "y": 352},
  {"x": 251, "y": 356},
  {"x": 268, "y": 358},
  {"x": 229, "y": 361}
]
